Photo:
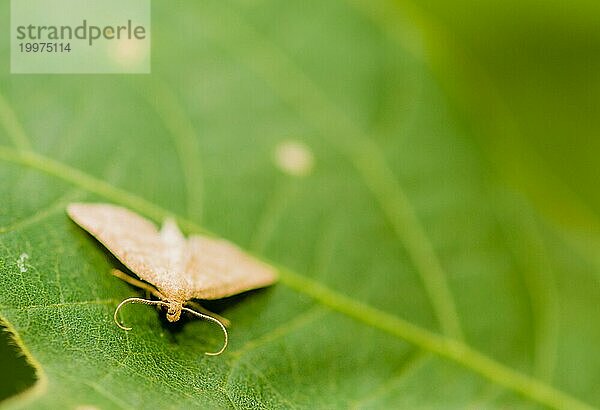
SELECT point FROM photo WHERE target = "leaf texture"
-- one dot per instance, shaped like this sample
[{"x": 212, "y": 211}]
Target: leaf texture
[{"x": 412, "y": 274}]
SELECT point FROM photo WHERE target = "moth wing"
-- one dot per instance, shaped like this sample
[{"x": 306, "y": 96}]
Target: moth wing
[
  {"x": 132, "y": 239},
  {"x": 216, "y": 269}
]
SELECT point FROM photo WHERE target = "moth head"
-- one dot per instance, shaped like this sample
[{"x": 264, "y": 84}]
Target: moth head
[{"x": 174, "y": 311}]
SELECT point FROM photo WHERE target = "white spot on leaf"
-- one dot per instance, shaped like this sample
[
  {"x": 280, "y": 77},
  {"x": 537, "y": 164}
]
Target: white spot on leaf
[
  {"x": 21, "y": 262},
  {"x": 294, "y": 158},
  {"x": 128, "y": 53}
]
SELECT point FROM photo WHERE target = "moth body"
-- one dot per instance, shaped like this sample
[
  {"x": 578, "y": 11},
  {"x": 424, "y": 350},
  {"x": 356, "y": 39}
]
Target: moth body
[{"x": 175, "y": 269}]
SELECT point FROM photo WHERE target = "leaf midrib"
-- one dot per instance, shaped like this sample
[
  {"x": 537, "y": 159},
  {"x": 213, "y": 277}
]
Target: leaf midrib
[
  {"x": 448, "y": 348},
  {"x": 120, "y": 195}
]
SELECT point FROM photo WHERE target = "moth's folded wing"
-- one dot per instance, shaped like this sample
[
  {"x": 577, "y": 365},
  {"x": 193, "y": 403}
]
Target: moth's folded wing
[
  {"x": 133, "y": 240},
  {"x": 216, "y": 268}
]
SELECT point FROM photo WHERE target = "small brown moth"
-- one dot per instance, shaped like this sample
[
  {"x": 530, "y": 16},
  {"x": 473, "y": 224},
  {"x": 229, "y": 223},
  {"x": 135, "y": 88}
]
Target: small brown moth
[{"x": 175, "y": 269}]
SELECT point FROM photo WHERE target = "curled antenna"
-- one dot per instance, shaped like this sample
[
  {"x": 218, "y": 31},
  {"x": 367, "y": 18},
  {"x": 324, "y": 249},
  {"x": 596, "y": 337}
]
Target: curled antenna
[
  {"x": 217, "y": 321},
  {"x": 135, "y": 300},
  {"x": 161, "y": 303}
]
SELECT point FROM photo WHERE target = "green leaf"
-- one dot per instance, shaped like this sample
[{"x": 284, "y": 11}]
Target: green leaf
[{"x": 413, "y": 274}]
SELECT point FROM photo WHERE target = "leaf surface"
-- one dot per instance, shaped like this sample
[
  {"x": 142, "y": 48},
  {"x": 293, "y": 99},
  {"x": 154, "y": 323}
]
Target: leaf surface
[{"x": 412, "y": 275}]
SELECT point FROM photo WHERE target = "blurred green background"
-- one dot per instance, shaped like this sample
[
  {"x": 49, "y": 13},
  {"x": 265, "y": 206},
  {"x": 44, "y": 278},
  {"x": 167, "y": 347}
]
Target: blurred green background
[
  {"x": 524, "y": 76},
  {"x": 542, "y": 59}
]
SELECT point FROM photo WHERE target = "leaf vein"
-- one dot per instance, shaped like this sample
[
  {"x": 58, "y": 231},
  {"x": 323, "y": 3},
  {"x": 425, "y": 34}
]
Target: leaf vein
[
  {"x": 413, "y": 363},
  {"x": 446, "y": 347},
  {"x": 41, "y": 214},
  {"x": 59, "y": 305},
  {"x": 300, "y": 320},
  {"x": 179, "y": 125},
  {"x": 11, "y": 124},
  {"x": 294, "y": 87}
]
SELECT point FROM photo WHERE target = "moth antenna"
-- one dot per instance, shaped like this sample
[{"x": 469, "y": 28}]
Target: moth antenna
[
  {"x": 135, "y": 300},
  {"x": 211, "y": 319}
]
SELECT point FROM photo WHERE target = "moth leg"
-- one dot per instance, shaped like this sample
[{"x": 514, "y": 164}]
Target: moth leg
[
  {"x": 201, "y": 309},
  {"x": 138, "y": 283}
]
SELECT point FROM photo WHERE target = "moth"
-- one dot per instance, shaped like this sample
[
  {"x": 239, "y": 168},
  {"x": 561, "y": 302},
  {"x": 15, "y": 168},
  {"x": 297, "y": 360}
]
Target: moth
[{"x": 173, "y": 268}]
